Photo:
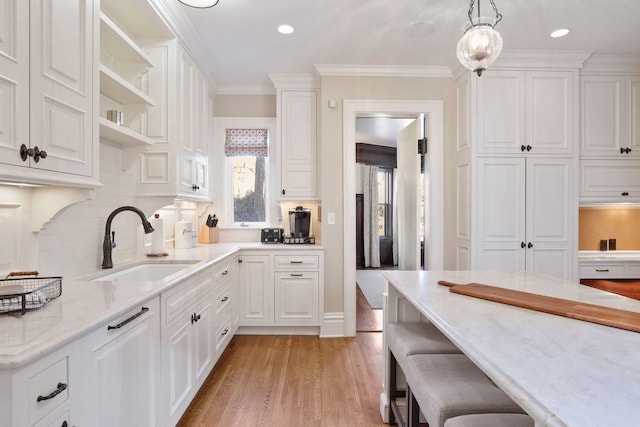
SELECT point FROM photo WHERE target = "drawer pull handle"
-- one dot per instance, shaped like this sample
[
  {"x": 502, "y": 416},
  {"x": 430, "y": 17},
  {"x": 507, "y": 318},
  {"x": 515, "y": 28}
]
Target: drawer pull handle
[
  {"x": 224, "y": 273},
  {"x": 225, "y": 332},
  {"x": 602, "y": 270},
  {"x": 61, "y": 387},
  {"x": 225, "y": 299},
  {"x": 142, "y": 311},
  {"x": 295, "y": 262},
  {"x": 195, "y": 317},
  {"x": 297, "y": 274}
]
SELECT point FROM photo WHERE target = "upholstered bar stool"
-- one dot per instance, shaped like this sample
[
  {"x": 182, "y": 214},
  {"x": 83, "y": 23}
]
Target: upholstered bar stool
[
  {"x": 490, "y": 420},
  {"x": 406, "y": 339},
  {"x": 449, "y": 385}
]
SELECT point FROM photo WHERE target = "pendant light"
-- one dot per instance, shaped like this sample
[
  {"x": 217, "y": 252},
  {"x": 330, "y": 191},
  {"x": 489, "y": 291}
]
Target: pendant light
[
  {"x": 481, "y": 43},
  {"x": 200, "y": 4}
]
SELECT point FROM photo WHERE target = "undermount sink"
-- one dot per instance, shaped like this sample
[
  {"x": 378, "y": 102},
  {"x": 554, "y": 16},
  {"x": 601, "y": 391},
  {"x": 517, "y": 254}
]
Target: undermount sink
[{"x": 145, "y": 272}]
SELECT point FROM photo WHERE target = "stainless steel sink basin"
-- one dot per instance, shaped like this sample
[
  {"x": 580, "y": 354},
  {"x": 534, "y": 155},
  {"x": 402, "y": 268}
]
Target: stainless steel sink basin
[{"x": 145, "y": 272}]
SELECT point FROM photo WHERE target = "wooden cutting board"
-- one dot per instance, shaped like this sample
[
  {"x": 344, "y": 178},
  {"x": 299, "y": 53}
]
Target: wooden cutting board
[{"x": 614, "y": 317}]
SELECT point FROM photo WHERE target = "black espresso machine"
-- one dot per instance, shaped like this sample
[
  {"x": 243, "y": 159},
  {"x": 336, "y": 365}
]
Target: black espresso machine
[{"x": 299, "y": 226}]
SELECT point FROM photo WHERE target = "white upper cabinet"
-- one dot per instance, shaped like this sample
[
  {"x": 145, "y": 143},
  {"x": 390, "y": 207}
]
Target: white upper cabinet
[
  {"x": 525, "y": 112},
  {"x": 48, "y": 92},
  {"x": 178, "y": 163},
  {"x": 610, "y": 116}
]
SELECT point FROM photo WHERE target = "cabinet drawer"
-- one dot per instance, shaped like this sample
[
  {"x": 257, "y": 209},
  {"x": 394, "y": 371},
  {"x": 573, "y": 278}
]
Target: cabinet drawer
[
  {"x": 223, "y": 272},
  {"x": 296, "y": 262},
  {"x": 183, "y": 296},
  {"x": 223, "y": 333},
  {"x": 223, "y": 298},
  {"x": 634, "y": 271},
  {"x": 48, "y": 389},
  {"x": 601, "y": 271}
]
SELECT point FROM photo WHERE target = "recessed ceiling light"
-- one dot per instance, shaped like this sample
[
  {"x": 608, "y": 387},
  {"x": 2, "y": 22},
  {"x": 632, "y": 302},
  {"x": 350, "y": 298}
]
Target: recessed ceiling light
[
  {"x": 285, "y": 29},
  {"x": 560, "y": 33}
]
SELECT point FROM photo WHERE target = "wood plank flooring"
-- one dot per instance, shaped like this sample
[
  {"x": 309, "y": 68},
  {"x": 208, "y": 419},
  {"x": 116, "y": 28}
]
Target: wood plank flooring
[
  {"x": 367, "y": 320},
  {"x": 293, "y": 381}
]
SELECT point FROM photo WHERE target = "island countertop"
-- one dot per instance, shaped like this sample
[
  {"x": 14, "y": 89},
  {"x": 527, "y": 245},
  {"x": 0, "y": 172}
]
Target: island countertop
[{"x": 563, "y": 372}]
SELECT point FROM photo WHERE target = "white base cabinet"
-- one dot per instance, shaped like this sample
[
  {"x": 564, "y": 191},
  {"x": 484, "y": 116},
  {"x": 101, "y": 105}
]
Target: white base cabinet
[{"x": 125, "y": 369}]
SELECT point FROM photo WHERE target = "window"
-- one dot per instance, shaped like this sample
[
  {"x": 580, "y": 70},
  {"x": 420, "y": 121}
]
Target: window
[
  {"x": 385, "y": 202},
  {"x": 247, "y": 151}
]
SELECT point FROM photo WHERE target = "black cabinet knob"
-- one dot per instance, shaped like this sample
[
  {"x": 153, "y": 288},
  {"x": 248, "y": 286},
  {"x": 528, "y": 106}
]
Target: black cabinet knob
[
  {"x": 522, "y": 245},
  {"x": 284, "y": 191},
  {"x": 530, "y": 245},
  {"x": 523, "y": 148},
  {"x": 529, "y": 148},
  {"x": 625, "y": 193},
  {"x": 34, "y": 152}
]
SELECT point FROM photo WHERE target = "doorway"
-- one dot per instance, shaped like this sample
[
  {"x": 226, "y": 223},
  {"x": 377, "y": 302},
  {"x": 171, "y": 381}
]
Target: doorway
[{"x": 433, "y": 250}]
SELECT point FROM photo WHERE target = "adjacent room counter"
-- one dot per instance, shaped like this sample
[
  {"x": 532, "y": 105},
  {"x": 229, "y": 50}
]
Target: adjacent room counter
[{"x": 563, "y": 372}]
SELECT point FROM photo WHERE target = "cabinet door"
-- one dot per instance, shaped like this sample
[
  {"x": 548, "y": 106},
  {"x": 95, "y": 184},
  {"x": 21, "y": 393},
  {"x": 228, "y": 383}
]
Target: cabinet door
[
  {"x": 550, "y": 198},
  {"x": 296, "y": 298},
  {"x": 203, "y": 339},
  {"x": 634, "y": 118},
  {"x": 501, "y": 112},
  {"x": 602, "y": 115},
  {"x": 501, "y": 214},
  {"x": 14, "y": 80},
  {"x": 201, "y": 108},
  {"x": 186, "y": 101},
  {"x": 62, "y": 95},
  {"x": 179, "y": 366},
  {"x": 298, "y": 143},
  {"x": 550, "y": 112},
  {"x": 125, "y": 366},
  {"x": 610, "y": 180},
  {"x": 256, "y": 286}
]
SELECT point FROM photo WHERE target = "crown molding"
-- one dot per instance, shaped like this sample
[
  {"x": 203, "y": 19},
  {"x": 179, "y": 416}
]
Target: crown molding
[
  {"x": 294, "y": 81},
  {"x": 612, "y": 64},
  {"x": 325, "y": 70},
  {"x": 532, "y": 59},
  {"x": 245, "y": 90}
]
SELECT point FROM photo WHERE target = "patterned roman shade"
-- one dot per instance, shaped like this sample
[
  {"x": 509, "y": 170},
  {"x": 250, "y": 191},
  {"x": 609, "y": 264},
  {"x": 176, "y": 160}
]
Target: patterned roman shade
[{"x": 246, "y": 142}]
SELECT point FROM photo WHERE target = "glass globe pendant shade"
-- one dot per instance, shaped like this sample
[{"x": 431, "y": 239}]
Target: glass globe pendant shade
[
  {"x": 200, "y": 4},
  {"x": 479, "y": 47}
]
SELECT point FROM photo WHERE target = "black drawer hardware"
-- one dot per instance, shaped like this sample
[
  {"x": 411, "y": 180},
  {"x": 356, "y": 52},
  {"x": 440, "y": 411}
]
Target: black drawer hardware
[
  {"x": 32, "y": 152},
  {"x": 61, "y": 387},
  {"x": 525, "y": 148},
  {"x": 225, "y": 332},
  {"x": 64, "y": 424},
  {"x": 195, "y": 187},
  {"x": 530, "y": 245},
  {"x": 142, "y": 311},
  {"x": 522, "y": 245},
  {"x": 195, "y": 317},
  {"x": 625, "y": 193},
  {"x": 224, "y": 273},
  {"x": 225, "y": 299},
  {"x": 625, "y": 150},
  {"x": 297, "y": 274},
  {"x": 284, "y": 191},
  {"x": 602, "y": 270},
  {"x": 239, "y": 261},
  {"x": 295, "y": 262}
]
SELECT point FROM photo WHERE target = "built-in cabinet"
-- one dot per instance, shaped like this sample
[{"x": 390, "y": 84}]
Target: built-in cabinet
[
  {"x": 297, "y": 131},
  {"x": 525, "y": 112},
  {"x": 516, "y": 170},
  {"x": 48, "y": 89},
  {"x": 610, "y": 138},
  {"x": 609, "y": 269},
  {"x": 524, "y": 211},
  {"x": 125, "y": 370},
  {"x": 281, "y": 289},
  {"x": 177, "y": 164}
]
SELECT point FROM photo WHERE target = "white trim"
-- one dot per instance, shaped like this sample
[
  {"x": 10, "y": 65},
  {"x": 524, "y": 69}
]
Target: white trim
[
  {"x": 245, "y": 90},
  {"x": 383, "y": 70},
  {"x": 612, "y": 64},
  {"x": 332, "y": 325},
  {"x": 294, "y": 81},
  {"x": 435, "y": 134},
  {"x": 533, "y": 59}
]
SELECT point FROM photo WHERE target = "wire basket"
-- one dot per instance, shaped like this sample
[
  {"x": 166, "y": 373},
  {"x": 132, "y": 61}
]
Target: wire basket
[{"x": 21, "y": 293}]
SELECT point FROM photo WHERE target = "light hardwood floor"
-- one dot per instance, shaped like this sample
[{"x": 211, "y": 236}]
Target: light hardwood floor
[{"x": 293, "y": 381}]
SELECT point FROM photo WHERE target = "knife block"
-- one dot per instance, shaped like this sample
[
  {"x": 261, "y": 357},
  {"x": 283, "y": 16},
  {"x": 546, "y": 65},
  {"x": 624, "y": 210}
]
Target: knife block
[{"x": 208, "y": 235}]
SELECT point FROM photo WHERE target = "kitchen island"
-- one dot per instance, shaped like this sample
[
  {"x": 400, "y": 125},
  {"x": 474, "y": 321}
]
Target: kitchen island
[{"x": 561, "y": 371}]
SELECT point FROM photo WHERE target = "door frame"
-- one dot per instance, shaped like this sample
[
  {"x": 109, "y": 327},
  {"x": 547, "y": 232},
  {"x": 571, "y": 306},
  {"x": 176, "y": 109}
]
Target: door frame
[{"x": 434, "y": 245}]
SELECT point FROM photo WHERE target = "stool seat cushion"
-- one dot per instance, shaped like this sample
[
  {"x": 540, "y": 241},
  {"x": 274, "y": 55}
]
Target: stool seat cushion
[
  {"x": 450, "y": 385},
  {"x": 490, "y": 420},
  {"x": 408, "y": 338}
]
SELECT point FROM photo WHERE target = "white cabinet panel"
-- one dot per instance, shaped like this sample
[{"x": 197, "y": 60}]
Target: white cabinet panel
[
  {"x": 296, "y": 298},
  {"x": 530, "y": 111},
  {"x": 610, "y": 180},
  {"x": 634, "y": 117},
  {"x": 257, "y": 290}
]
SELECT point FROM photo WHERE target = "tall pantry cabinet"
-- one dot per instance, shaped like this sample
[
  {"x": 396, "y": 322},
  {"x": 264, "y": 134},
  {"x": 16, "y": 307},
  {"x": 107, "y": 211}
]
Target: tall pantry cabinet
[{"x": 516, "y": 170}]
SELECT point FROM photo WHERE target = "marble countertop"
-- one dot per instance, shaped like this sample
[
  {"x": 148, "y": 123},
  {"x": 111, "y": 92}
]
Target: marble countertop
[
  {"x": 605, "y": 256},
  {"x": 563, "y": 372},
  {"x": 85, "y": 304}
]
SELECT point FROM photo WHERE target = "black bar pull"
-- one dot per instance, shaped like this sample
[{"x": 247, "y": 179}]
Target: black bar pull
[
  {"x": 225, "y": 332},
  {"x": 295, "y": 262},
  {"x": 602, "y": 270},
  {"x": 297, "y": 274},
  {"x": 61, "y": 387},
  {"x": 142, "y": 311},
  {"x": 225, "y": 299}
]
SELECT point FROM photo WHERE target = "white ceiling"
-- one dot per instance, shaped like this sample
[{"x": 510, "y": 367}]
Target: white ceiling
[
  {"x": 380, "y": 130},
  {"x": 245, "y": 47}
]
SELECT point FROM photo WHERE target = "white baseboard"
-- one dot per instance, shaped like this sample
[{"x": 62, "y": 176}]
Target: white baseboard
[
  {"x": 278, "y": 330},
  {"x": 332, "y": 325}
]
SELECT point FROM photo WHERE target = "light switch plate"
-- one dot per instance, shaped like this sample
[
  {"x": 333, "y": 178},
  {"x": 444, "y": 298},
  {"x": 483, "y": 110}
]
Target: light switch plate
[{"x": 331, "y": 218}]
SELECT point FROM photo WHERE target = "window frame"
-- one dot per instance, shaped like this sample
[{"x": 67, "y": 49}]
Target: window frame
[{"x": 229, "y": 194}]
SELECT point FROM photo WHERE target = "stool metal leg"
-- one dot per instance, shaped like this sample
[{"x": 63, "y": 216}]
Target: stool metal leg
[{"x": 413, "y": 410}]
